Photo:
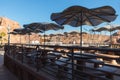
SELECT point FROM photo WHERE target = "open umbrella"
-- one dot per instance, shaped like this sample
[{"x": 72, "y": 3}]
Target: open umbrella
[
  {"x": 77, "y": 16},
  {"x": 15, "y": 33},
  {"x": 43, "y": 26},
  {"x": 109, "y": 28},
  {"x": 23, "y": 31}
]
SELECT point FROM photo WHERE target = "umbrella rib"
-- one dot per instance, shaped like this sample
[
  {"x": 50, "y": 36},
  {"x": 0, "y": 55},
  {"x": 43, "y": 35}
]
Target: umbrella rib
[
  {"x": 105, "y": 7},
  {"x": 62, "y": 16},
  {"x": 99, "y": 16},
  {"x": 68, "y": 19},
  {"x": 88, "y": 19}
]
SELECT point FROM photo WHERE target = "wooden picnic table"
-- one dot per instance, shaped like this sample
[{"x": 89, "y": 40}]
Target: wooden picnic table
[
  {"x": 113, "y": 58},
  {"x": 80, "y": 60}
]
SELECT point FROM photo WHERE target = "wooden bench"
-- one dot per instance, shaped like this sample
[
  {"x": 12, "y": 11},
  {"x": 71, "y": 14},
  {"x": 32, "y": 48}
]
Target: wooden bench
[
  {"x": 51, "y": 58},
  {"x": 97, "y": 63},
  {"x": 62, "y": 61},
  {"x": 108, "y": 56},
  {"x": 62, "y": 65},
  {"x": 91, "y": 74},
  {"x": 57, "y": 54},
  {"x": 108, "y": 71},
  {"x": 96, "y": 75}
]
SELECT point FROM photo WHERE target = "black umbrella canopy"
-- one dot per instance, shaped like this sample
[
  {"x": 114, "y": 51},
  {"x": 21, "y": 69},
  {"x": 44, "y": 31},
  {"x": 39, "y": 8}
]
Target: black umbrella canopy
[
  {"x": 77, "y": 16},
  {"x": 109, "y": 28},
  {"x": 13, "y": 32},
  {"x": 26, "y": 31},
  {"x": 22, "y": 31},
  {"x": 43, "y": 26},
  {"x": 99, "y": 29}
]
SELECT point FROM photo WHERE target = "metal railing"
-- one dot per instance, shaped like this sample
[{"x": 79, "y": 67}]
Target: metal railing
[{"x": 67, "y": 62}]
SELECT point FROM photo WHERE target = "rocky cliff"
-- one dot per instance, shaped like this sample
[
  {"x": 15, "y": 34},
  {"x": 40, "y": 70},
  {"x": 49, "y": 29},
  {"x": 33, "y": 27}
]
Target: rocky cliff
[{"x": 5, "y": 24}]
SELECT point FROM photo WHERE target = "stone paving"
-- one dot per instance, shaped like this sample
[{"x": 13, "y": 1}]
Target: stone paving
[{"x": 5, "y": 74}]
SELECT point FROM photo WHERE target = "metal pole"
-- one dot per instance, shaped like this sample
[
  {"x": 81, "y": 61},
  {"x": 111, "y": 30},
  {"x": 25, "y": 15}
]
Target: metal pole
[
  {"x": 8, "y": 28},
  {"x": 72, "y": 52}
]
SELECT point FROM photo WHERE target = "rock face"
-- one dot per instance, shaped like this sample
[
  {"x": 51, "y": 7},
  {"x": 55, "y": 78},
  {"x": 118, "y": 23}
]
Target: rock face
[
  {"x": 6, "y": 24},
  {"x": 116, "y": 37},
  {"x": 75, "y": 38}
]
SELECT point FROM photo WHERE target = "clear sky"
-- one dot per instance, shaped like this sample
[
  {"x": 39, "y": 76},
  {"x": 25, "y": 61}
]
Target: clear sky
[{"x": 28, "y": 11}]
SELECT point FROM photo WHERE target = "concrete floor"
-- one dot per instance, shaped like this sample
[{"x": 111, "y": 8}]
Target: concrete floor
[{"x": 5, "y": 74}]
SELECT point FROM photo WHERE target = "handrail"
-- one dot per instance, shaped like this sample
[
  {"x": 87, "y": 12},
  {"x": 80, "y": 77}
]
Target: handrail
[{"x": 41, "y": 60}]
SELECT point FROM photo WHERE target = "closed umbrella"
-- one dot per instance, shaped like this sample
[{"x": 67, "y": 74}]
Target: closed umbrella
[{"x": 77, "y": 16}]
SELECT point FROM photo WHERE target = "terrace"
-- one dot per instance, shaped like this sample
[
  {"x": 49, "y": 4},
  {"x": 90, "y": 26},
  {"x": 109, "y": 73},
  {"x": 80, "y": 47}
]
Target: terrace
[{"x": 49, "y": 62}]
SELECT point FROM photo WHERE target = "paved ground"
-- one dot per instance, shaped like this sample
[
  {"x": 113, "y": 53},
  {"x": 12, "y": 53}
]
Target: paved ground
[{"x": 4, "y": 73}]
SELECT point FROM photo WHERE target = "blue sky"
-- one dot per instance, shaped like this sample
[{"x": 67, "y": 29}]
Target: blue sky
[{"x": 28, "y": 11}]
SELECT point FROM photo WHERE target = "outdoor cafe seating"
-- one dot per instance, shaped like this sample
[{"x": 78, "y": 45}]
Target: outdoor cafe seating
[{"x": 85, "y": 65}]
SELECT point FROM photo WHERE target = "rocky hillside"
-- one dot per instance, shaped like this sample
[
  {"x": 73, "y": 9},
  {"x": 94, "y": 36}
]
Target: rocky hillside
[
  {"x": 72, "y": 37},
  {"x": 75, "y": 38},
  {"x": 5, "y": 23}
]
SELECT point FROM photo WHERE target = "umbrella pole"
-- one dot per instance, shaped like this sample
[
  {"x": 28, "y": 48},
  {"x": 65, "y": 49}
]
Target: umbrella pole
[
  {"x": 110, "y": 39},
  {"x": 94, "y": 43},
  {"x": 81, "y": 36},
  {"x": 20, "y": 38},
  {"x": 39, "y": 40},
  {"x": 100, "y": 43},
  {"x": 44, "y": 40},
  {"x": 81, "y": 32},
  {"x": 29, "y": 39}
]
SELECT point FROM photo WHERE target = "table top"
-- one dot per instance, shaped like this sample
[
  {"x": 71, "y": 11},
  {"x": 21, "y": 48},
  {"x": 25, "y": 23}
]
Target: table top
[{"x": 77, "y": 56}]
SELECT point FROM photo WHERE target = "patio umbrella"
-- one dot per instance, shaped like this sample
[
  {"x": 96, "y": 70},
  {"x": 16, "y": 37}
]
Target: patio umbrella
[
  {"x": 14, "y": 33},
  {"x": 109, "y": 28},
  {"x": 23, "y": 31},
  {"x": 77, "y": 16},
  {"x": 43, "y": 26}
]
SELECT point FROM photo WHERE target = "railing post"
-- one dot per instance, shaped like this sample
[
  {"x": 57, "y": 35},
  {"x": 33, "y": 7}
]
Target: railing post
[
  {"x": 37, "y": 59},
  {"x": 72, "y": 52},
  {"x": 22, "y": 54}
]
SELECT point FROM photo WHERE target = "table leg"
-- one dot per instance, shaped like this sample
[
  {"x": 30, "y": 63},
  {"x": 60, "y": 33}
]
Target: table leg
[{"x": 82, "y": 64}]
